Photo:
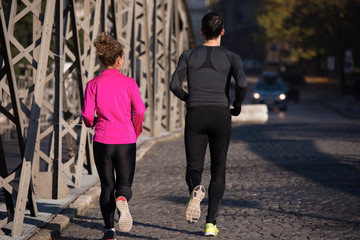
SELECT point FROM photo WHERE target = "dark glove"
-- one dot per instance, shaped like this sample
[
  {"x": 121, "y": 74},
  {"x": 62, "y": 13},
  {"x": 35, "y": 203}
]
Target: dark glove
[
  {"x": 235, "y": 111},
  {"x": 95, "y": 121},
  {"x": 186, "y": 97}
]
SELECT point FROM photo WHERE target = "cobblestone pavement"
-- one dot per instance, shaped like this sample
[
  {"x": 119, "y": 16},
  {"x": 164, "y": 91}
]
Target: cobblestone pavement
[{"x": 284, "y": 181}]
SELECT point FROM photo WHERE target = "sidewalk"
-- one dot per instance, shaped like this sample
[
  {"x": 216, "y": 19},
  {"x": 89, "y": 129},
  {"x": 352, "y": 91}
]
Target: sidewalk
[
  {"x": 288, "y": 180},
  {"x": 345, "y": 105},
  {"x": 54, "y": 215},
  {"x": 48, "y": 209},
  {"x": 75, "y": 210}
]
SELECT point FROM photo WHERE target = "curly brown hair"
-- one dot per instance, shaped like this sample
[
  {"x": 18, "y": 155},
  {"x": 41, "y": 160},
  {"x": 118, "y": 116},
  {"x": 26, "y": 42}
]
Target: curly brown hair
[{"x": 108, "y": 49}]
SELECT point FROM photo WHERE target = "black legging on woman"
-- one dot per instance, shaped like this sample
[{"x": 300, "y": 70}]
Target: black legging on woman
[
  {"x": 205, "y": 125},
  {"x": 122, "y": 158}
]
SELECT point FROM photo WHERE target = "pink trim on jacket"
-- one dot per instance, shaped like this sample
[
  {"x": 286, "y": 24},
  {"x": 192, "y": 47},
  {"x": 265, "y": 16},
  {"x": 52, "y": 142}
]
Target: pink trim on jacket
[{"x": 118, "y": 105}]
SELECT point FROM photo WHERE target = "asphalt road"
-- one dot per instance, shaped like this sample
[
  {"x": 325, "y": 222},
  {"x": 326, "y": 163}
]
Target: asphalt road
[{"x": 295, "y": 177}]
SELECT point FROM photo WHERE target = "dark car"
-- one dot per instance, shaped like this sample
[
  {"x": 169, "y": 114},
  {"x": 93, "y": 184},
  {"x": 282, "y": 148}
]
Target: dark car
[
  {"x": 270, "y": 90},
  {"x": 293, "y": 76}
]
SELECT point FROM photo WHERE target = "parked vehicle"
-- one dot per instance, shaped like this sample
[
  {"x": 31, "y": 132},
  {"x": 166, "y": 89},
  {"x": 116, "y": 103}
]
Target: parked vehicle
[
  {"x": 270, "y": 90},
  {"x": 293, "y": 76}
]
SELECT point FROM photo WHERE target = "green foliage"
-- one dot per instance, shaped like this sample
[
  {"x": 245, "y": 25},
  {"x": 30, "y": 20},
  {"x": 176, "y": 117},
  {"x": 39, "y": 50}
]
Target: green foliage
[
  {"x": 311, "y": 27},
  {"x": 23, "y": 27}
]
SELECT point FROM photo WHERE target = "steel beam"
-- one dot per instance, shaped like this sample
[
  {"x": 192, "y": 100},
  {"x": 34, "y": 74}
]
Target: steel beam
[{"x": 45, "y": 110}]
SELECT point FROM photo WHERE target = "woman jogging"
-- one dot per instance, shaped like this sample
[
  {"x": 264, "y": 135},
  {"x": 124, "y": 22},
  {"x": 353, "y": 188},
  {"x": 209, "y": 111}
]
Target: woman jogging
[
  {"x": 116, "y": 100},
  {"x": 209, "y": 69}
]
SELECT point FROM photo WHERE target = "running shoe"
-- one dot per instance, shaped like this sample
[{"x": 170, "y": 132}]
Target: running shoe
[
  {"x": 193, "y": 207},
  {"x": 109, "y": 235},
  {"x": 125, "y": 219},
  {"x": 211, "y": 230}
]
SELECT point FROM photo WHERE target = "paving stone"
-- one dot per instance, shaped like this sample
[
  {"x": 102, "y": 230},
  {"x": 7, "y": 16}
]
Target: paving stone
[{"x": 284, "y": 181}]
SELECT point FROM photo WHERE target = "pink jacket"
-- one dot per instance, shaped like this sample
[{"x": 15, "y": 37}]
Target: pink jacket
[{"x": 118, "y": 105}]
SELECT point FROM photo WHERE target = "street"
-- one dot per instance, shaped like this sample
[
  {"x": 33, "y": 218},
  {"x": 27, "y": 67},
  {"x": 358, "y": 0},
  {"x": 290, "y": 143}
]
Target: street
[{"x": 295, "y": 177}]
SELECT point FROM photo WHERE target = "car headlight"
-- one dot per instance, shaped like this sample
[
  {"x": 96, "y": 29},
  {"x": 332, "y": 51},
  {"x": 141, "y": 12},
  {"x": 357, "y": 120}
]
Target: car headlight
[
  {"x": 282, "y": 96},
  {"x": 256, "y": 95}
]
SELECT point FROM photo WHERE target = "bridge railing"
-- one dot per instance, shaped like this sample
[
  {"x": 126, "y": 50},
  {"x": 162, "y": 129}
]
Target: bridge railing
[{"x": 42, "y": 85}]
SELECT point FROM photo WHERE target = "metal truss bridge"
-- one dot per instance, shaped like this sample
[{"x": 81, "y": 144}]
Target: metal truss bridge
[{"x": 43, "y": 78}]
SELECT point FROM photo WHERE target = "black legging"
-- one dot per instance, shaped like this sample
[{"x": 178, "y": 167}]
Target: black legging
[
  {"x": 205, "y": 125},
  {"x": 120, "y": 158}
]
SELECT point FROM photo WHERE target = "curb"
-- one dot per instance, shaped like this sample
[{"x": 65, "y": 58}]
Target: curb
[
  {"x": 252, "y": 113},
  {"x": 62, "y": 219}
]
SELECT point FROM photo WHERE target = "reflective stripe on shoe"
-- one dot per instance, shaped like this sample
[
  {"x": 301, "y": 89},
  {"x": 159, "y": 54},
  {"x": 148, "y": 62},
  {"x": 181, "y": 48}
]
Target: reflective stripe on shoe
[
  {"x": 193, "y": 210},
  {"x": 211, "y": 230},
  {"x": 125, "y": 219}
]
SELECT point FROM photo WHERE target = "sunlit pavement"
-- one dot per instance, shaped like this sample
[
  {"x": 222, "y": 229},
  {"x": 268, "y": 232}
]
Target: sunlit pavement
[{"x": 295, "y": 177}]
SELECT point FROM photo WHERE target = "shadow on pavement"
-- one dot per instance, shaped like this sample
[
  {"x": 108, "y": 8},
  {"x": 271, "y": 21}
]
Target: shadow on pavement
[
  {"x": 241, "y": 203},
  {"x": 150, "y": 225},
  {"x": 71, "y": 238},
  {"x": 249, "y": 204},
  {"x": 295, "y": 148}
]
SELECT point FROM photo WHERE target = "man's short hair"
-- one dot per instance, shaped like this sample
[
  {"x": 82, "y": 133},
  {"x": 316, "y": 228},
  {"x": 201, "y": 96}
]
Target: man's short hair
[{"x": 211, "y": 25}]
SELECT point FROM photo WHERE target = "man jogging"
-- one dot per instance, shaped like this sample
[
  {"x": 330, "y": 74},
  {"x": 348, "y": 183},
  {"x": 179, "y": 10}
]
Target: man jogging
[{"x": 209, "y": 69}]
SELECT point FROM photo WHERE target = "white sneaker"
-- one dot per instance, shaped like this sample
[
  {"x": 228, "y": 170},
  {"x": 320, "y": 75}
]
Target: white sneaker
[
  {"x": 193, "y": 210},
  {"x": 125, "y": 219}
]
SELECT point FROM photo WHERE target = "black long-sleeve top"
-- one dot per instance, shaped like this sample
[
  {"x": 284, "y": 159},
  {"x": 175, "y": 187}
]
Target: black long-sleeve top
[{"x": 209, "y": 70}]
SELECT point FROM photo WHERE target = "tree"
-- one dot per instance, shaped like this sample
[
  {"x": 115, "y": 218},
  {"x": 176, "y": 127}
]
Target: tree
[{"x": 312, "y": 28}]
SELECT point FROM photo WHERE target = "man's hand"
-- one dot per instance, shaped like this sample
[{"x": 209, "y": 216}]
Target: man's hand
[{"x": 235, "y": 111}]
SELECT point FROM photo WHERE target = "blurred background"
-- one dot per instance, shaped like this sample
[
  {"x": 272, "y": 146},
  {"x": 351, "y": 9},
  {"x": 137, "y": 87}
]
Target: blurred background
[{"x": 311, "y": 45}]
